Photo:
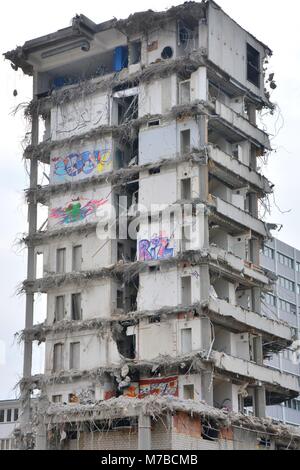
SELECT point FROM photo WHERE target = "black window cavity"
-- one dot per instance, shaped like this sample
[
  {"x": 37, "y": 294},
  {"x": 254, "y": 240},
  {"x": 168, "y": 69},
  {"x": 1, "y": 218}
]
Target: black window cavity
[{"x": 253, "y": 66}]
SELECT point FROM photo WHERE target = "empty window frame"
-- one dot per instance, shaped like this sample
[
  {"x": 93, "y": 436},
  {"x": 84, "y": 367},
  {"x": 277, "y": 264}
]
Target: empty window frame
[
  {"x": 189, "y": 392},
  {"x": 186, "y": 340},
  {"x": 268, "y": 252},
  {"x": 185, "y": 141},
  {"x": 135, "y": 50},
  {"x": 75, "y": 355},
  {"x": 8, "y": 415},
  {"x": 1, "y": 416},
  {"x": 120, "y": 299},
  {"x": 298, "y": 267},
  {"x": 16, "y": 414},
  {"x": 56, "y": 398},
  {"x": 58, "y": 351},
  {"x": 253, "y": 66},
  {"x": 185, "y": 92},
  {"x": 61, "y": 260},
  {"x": 76, "y": 313},
  {"x": 186, "y": 191},
  {"x": 59, "y": 313},
  {"x": 186, "y": 290},
  {"x": 286, "y": 284},
  {"x": 285, "y": 260},
  {"x": 154, "y": 123},
  {"x": 77, "y": 258}
]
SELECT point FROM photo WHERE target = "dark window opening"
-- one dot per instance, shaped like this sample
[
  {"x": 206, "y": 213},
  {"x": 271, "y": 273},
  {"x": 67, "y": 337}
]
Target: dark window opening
[
  {"x": 8, "y": 416},
  {"x": 120, "y": 299},
  {"x": 253, "y": 66},
  {"x": 186, "y": 189},
  {"x": 127, "y": 346},
  {"x": 1, "y": 416},
  {"x": 76, "y": 307},
  {"x": 120, "y": 158},
  {"x": 135, "y": 49},
  {"x": 120, "y": 254},
  {"x": 154, "y": 123},
  {"x": 127, "y": 109},
  {"x": 209, "y": 432},
  {"x": 167, "y": 53},
  {"x": 185, "y": 141},
  {"x": 133, "y": 254},
  {"x": 154, "y": 171},
  {"x": 154, "y": 319},
  {"x": 16, "y": 414}
]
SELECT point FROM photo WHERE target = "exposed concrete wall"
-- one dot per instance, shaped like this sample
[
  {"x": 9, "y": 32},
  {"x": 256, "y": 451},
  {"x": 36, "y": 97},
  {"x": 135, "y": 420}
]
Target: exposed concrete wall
[{"x": 80, "y": 116}]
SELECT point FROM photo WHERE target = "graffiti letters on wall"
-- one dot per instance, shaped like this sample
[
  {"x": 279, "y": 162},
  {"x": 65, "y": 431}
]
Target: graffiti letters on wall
[
  {"x": 161, "y": 386},
  {"x": 158, "y": 247},
  {"x": 85, "y": 163},
  {"x": 76, "y": 210}
]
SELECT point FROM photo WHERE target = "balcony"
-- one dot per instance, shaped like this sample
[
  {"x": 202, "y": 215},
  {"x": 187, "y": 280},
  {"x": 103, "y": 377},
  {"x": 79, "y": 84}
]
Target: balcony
[
  {"x": 234, "y": 172},
  {"x": 272, "y": 378},
  {"x": 237, "y": 217},
  {"x": 237, "y": 127},
  {"x": 241, "y": 320}
]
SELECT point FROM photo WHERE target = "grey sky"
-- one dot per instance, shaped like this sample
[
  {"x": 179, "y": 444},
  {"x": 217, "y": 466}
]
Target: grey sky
[{"x": 273, "y": 23}]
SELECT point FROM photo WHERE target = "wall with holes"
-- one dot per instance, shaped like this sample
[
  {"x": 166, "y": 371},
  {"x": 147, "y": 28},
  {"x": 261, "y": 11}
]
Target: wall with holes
[
  {"x": 158, "y": 97},
  {"x": 95, "y": 253},
  {"x": 175, "y": 342},
  {"x": 165, "y": 140},
  {"x": 158, "y": 290},
  {"x": 95, "y": 351},
  {"x": 96, "y": 300}
]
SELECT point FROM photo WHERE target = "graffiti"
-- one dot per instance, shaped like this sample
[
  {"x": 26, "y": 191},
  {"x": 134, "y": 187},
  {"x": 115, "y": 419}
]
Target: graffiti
[
  {"x": 158, "y": 247},
  {"x": 162, "y": 387},
  {"x": 75, "y": 211},
  {"x": 82, "y": 163}
]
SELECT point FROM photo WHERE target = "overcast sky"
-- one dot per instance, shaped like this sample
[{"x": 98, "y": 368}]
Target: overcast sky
[{"x": 271, "y": 22}]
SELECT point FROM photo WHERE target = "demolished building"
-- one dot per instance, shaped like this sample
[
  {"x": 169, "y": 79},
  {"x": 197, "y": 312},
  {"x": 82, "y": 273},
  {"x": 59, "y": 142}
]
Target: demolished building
[{"x": 156, "y": 342}]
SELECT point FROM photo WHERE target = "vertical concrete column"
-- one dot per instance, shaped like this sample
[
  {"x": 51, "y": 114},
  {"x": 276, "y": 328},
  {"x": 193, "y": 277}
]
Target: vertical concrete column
[
  {"x": 260, "y": 402},
  {"x": 207, "y": 386},
  {"x": 144, "y": 432},
  {"x": 31, "y": 273},
  {"x": 258, "y": 350}
]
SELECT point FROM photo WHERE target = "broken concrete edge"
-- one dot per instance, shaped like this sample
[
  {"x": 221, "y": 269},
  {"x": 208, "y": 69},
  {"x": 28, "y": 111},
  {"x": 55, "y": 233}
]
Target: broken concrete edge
[
  {"x": 40, "y": 331},
  {"x": 124, "y": 176},
  {"x": 129, "y": 270},
  {"x": 117, "y": 178},
  {"x": 126, "y": 131},
  {"x": 162, "y": 69},
  {"x": 42, "y": 237},
  {"x": 155, "y": 407},
  {"x": 193, "y": 362}
]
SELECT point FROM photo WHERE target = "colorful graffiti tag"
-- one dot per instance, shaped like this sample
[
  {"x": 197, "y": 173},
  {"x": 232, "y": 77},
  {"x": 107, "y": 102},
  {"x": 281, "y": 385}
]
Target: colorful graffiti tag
[
  {"x": 76, "y": 210},
  {"x": 82, "y": 163},
  {"x": 162, "y": 386},
  {"x": 158, "y": 247}
]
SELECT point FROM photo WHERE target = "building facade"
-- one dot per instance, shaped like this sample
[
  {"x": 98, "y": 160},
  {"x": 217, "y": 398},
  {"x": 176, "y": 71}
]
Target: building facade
[
  {"x": 284, "y": 261},
  {"x": 154, "y": 330},
  {"x": 9, "y": 415}
]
